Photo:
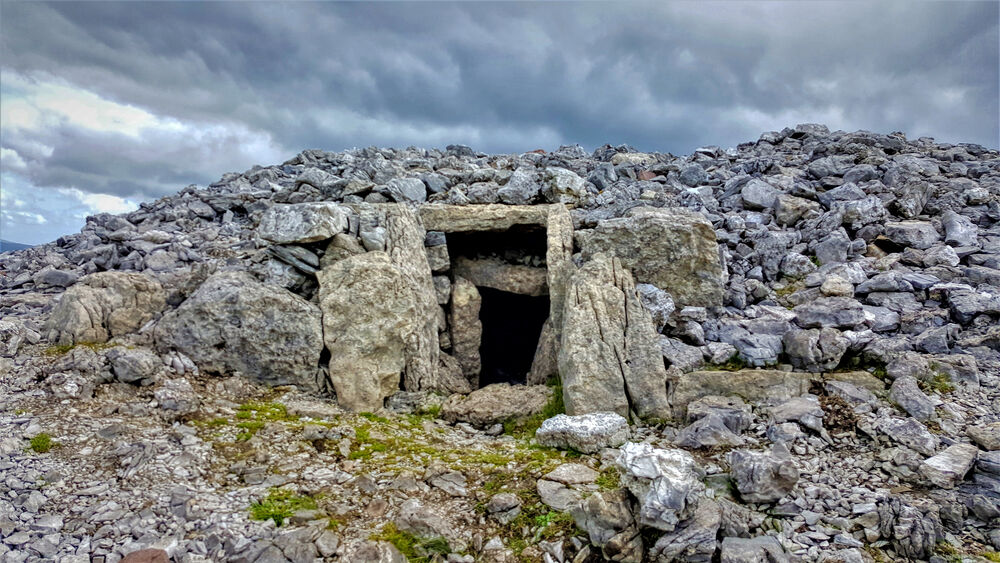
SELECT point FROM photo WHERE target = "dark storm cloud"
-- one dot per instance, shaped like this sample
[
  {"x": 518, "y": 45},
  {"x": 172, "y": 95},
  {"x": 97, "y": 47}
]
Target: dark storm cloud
[{"x": 225, "y": 85}]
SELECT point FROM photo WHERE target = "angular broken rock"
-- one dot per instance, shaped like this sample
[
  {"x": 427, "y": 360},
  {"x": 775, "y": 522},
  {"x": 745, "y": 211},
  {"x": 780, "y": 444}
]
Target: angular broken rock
[
  {"x": 913, "y": 533},
  {"x": 104, "y": 305},
  {"x": 815, "y": 350},
  {"x": 839, "y": 312},
  {"x": 707, "y": 432},
  {"x": 587, "y": 433},
  {"x": 232, "y": 322},
  {"x": 134, "y": 365},
  {"x": 987, "y": 436},
  {"x": 667, "y": 483},
  {"x": 763, "y": 477},
  {"x": 949, "y": 467},
  {"x": 805, "y": 410},
  {"x": 910, "y": 433},
  {"x": 302, "y": 222},
  {"x": 734, "y": 412},
  {"x": 694, "y": 539},
  {"x": 907, "y": 394},
  {"x": 607, "y": 519}
]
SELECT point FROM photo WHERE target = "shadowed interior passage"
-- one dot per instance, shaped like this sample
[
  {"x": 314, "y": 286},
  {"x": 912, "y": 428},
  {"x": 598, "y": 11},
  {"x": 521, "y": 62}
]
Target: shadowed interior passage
[{"x": 512, "y": 324}]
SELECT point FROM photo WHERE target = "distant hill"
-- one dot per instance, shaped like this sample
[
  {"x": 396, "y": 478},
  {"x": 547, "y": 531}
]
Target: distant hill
[{"x": 6, "y": 246}]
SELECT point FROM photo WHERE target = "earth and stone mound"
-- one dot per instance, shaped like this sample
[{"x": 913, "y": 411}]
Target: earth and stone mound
[{"x": 783, "y": 351}]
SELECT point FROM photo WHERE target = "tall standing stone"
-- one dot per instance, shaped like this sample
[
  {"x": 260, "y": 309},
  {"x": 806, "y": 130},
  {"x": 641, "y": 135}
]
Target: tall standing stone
[{"x": 466, "y": 328}]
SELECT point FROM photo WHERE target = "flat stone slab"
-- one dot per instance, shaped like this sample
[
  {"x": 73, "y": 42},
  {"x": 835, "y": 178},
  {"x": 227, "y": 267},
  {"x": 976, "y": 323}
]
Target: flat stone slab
[
  {"x": 492, "y": 217},
  {"x": 751, "y": 385}
]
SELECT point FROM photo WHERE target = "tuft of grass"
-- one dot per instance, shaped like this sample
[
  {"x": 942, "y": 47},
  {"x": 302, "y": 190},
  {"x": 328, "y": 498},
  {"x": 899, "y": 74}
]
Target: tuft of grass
[
  {"x": 941, "y": 383},
  {"x": 609, "y": 479},
  {"x": 525, "y": 427},
  {"x": 60, "y": 349},
  {"x": 253, "y": 416},
  {"x": 432, "y": 411},
  {"x": 373, "y": 417},
  {"x": 991, "y": 556},
  {"x": 279, "y": 505},
  {"x": 42, "y": 443},
  {"x": 416, "y": 550}
]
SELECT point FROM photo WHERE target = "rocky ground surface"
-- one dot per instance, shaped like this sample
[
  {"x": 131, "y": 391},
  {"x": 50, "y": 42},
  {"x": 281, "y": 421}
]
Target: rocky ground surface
[{"x": 837, "y": 398}]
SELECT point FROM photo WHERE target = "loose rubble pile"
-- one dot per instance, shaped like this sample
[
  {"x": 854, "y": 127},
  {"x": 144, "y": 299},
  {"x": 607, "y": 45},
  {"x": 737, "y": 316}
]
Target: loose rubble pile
[{"x": 784, "y": 351}]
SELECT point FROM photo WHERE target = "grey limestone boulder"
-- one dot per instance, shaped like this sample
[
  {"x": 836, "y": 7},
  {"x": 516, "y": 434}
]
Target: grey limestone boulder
[
  {"x": 407, "y": 189},
  {"x": 667, "y": 484},
  {"x": 910, "y": 433},
  {"x": 907, "y": 394},
  {"x": 302, "y": 222},
  {"x": 672, "y": 249},
  {"x": 912, "y": 234},
  {"x": 761, "y": 549},
  {"x": 521, "y": 188},
  {"x": 839, "y": 312},
  {"x": 134, "y": 365},
  {"x": 232, "y": 322},
  {"x": 758, "y": 194},
  {"x": 694, "y": 539},
  {"x": 912, "y": 532},
  {"x": 815, "y": 350},
  {"x": 104, "y": 305},
  {"x": 587, "y": 433},
  {"x": 763, "y": 477}
]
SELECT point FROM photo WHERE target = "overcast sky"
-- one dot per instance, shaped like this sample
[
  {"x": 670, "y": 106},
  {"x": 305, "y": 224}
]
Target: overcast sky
[{"x": 105, "y": 105}]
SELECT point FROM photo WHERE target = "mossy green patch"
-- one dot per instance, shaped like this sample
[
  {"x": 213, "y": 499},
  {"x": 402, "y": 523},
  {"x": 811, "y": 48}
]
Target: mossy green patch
[
  {"x": 416, "y": 550},
  {"x": 991, "y": 556},
  {"x": 42, "y": 443},
  {"x": 734, "y": 363},
  {"x": 279, "y": 505},
  {"x": 60, "y": 349},
  {"x": 609, "y": 479},
  {"x": 941, "y": 382}
]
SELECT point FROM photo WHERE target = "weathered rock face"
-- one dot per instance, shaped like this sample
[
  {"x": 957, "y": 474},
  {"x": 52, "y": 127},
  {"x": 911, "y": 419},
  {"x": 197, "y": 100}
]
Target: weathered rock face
[
  {"x": 233, "y": 323},
  {"x": 302, "y": 222},
  {"x": 609, "y": 358},
  {"x": 466, "y": 329},
  {"x": 673, "y": 249},
  {"x": 104, "y": 305},
  {"x": 369, "y": 312}
]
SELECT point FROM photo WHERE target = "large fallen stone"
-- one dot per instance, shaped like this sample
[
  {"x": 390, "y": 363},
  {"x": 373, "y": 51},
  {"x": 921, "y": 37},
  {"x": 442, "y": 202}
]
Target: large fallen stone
[
  {"x": 670, "y": 248},
  {"x": 752, "y": 385},
  {"x": 496, "y": 403},
  {"x": 104, "y": 305},
  {"x": 948, "y": 468},
  {"x": 667, "y": 484},
  {"x": 233, "y": 323},
  {"x": 735, "y": 414},
  {"x": 609, "y": 357},
  {"x": 302, "y": 222},
  {"x": 587, "y": 433},
  {"x": 369, "y": 312},
  {"x": 707, "y": 432},
  {"x": 763, "y": 477}
]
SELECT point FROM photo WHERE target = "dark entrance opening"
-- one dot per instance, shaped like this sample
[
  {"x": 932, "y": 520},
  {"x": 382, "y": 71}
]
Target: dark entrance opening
[{"x": 512, "y": 324}]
